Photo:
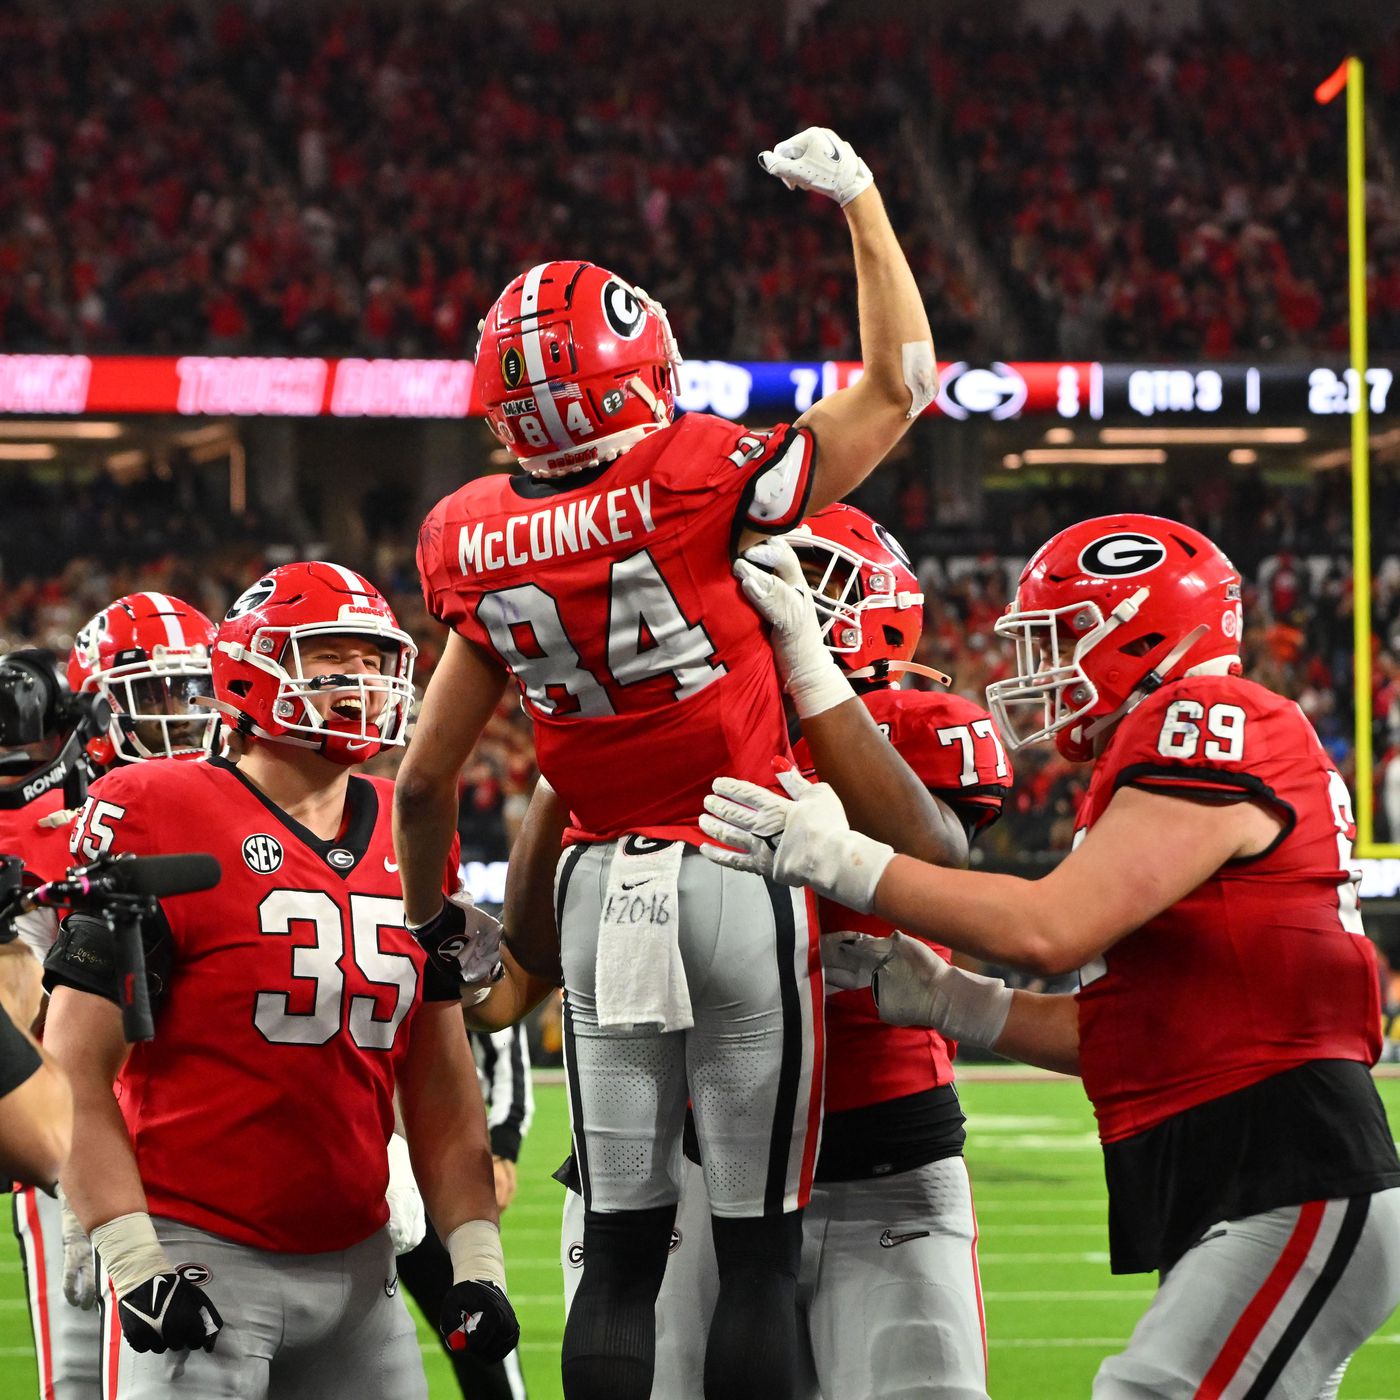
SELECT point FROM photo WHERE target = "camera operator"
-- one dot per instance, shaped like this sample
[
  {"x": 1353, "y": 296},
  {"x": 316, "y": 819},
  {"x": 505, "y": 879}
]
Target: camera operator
[{"x": 44, "y": 730}]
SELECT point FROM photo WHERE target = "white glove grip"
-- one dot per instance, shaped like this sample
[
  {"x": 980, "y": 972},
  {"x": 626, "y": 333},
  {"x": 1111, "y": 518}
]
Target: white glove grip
[
  {"x": 977, "y": 1007},
  {"x": 408, "y": 1222},
  {"x": 914, "y": 986},
  {"x": 130, "y": 1251},
  {"x": 475, "y": 1249},
  {"x": 844, "y": 866}
]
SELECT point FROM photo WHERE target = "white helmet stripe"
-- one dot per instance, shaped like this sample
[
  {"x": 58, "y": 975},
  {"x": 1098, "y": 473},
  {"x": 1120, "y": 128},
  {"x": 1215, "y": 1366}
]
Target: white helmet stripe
[
  {"x": 166, "y": 608},
  {"x": 535, "y": 371},
  {"x": 353, "y": 582},
  {"x": 530, "y": 293}
]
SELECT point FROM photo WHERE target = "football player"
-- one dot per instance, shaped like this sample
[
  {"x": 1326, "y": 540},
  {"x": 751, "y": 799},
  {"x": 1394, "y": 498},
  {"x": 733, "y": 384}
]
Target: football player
[
  {"x": 234, "y": 1187},
  {"x": 1228, "y": 1008},
  {"x": 140, "y": 662},
  {"x": 147, "y": 655},
  {"x": 599, "y": 578},
  {"x": 888, "y": 1290}
]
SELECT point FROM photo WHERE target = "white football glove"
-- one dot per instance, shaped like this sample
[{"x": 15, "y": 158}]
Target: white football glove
[
  {"x": 408, "y": 1222},
  {"x": 78, "y": 1287},
  {"x": 819, "y": 160},
  {"x": 806, "y": 841},
  {"x": 463, "y": 942},
  {"x": 913, "y": 986},
  {"x": 772, "y": 580}
]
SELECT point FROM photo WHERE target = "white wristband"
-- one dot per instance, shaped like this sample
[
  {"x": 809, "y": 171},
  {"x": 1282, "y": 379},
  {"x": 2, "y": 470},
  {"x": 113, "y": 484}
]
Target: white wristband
[
  {"x": 821, "y": 687},
  {"x": 130, "y": 1251},
  {"x": 475, "y": 1249}
]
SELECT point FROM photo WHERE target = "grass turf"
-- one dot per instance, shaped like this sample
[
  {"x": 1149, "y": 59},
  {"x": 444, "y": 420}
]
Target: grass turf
[{"x": 1053, "y": 1309}]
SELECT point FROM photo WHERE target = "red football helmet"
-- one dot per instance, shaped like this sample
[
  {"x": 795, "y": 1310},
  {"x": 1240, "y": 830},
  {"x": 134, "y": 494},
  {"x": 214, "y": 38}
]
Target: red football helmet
[
  {"x": 148, "y": 656},
  {"x": 863, "y": 588},
  {"x": 259, "y": 682},
  {"x": 574, "y": 366},
  {"x": 1104, "y": 613}
]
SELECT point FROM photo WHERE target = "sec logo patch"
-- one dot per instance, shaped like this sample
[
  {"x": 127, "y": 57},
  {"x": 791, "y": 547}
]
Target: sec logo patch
[{"x": 262, "y": 853}]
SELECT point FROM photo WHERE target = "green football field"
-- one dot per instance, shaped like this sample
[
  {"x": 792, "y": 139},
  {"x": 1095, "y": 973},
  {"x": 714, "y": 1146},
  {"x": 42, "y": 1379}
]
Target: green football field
[{"x": 1053, "y": 1309}]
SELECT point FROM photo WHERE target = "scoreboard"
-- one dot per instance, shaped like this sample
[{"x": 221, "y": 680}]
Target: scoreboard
[{"x": 309, "y": 387}]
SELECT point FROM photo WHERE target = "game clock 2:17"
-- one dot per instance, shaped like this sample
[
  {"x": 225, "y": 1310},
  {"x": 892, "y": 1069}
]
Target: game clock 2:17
[{"x": 1330, "y": 392}]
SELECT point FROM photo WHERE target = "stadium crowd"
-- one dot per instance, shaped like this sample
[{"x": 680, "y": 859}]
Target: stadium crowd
[
  {"x": 349, "y": 181},
  {"x": 1178, "y": 195}
]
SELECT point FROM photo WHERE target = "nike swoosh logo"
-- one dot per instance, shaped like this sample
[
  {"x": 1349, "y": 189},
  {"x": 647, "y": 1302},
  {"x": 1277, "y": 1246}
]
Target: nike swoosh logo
[
  {"x": 391, "y": 1286},
  {"x": 636, "y": 884},
  {"x": 889, "y": 1241},
  {"x": 391, "y": 866},
  {"x": 835, "y": 152}
]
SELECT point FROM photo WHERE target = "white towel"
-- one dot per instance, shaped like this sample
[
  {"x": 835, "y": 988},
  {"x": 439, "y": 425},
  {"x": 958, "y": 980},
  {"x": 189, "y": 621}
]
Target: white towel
[{"x": 640, "y": 976}]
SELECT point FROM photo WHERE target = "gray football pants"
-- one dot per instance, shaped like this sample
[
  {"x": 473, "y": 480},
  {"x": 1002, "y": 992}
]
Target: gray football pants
[
  {"x": 1270, "y": 1305},
  {"x": 751, "y": 1064},
  {"x": 296, "y": 1327},
  {"x": 67, "y": 1340},
  {"x": 889, "y": 1293}
]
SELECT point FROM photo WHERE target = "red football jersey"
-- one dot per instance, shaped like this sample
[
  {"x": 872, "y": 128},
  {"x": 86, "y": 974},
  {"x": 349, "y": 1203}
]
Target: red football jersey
[
  {"x": 261, "y": 1110},
  {"x": 1262, "y": 968},
  {"x": 44, "y": 851},
  {"x": 610, "y": 598},
  {"x": 952, "y": 744}
]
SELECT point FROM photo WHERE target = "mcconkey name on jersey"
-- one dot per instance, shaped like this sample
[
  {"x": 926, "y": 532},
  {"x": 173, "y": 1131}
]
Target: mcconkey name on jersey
[
  {"x": 1262, "y": 968},
  {"x": 261, "y": 1109},
  {"x": 609, "y": 597}
]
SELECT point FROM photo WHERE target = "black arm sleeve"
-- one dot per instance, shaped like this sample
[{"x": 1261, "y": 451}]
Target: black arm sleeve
[
  {"x": 18, "y": 1058},
  {"x": 84, "y": 957}
]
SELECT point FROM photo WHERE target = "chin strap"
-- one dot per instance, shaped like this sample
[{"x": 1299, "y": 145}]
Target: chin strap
[
  {"x": 883, "y": 669},
  {"x": 242, "y": 723},
  {"x": 1153, "y": 680}
]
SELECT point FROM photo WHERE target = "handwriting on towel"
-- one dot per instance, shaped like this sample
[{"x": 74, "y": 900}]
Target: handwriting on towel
[{"x": 654, "y": 908}]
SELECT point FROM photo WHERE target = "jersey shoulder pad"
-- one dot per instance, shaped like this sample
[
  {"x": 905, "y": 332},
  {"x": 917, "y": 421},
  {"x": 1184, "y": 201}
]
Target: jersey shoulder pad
[
  {"x": 1220, "y": 735},
  {"x": 769, "y": 471}
]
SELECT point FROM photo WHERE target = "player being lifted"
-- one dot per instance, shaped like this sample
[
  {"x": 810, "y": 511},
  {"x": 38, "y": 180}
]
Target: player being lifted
[
  {"x": 600, "y": 580},
  {"x": 888, "y": 1293},
  {"x": 235, "y": 1192},
  {"x": 1228, "y": 1009},
  {"x": 145, "y": 656}
]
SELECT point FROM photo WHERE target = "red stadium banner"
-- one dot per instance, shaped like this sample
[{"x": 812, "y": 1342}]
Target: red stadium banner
[{"x": 305, "y": 387}]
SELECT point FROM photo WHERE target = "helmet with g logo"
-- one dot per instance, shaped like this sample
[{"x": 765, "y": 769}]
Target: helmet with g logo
[
  {"x": 260, "y": 680},
  {"x": 574, "y": 366},
  {"x": 863, "y": 587},
  {"x": 148, "y": 655},
  {"x": 1104, "y": 613}
]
